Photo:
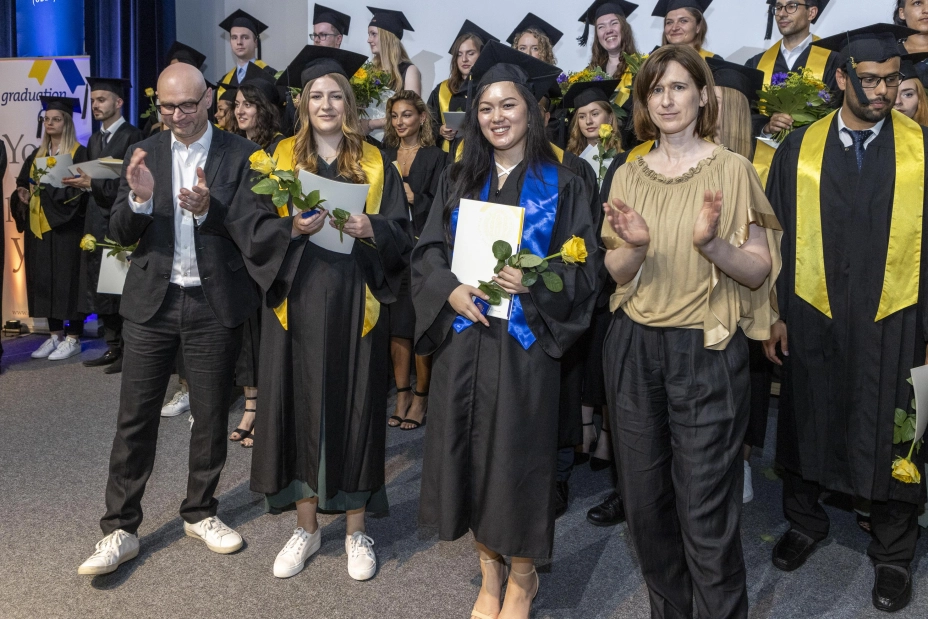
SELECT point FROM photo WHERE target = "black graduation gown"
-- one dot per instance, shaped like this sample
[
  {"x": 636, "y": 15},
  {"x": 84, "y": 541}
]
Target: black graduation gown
[
  {"x": 321, "y": 366},
  {"x": 458, "y": 103},
  {"x": 97, "y": 220},
  {"x": 845, "y": 376},
  {"x": 490, "y": 447},
  {"x": 53, "y": 263},
  {"x": 423, "y": 179}
]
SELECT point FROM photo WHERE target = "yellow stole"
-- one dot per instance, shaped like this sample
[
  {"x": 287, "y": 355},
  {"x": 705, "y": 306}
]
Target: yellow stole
[
  {"x": 227, "y": 78},
  {"x": 706, "y": 53},
  {"x": 444, "y": 102},
  {"x": 763, "y": 158},
  {"x": 640, "y": 151},
  {"x": 558, "y": 152},
  {"x": 624, "y": 91},
  {"x": 372, "y": 164},
  {"x": 903, "y": 258},
  {"x": 38, "y": 222},
  {"x": 817, "y": 61}
]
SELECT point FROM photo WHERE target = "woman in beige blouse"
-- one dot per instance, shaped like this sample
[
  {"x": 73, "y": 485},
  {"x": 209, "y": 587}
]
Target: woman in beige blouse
[{"x": 693, "y": 245}]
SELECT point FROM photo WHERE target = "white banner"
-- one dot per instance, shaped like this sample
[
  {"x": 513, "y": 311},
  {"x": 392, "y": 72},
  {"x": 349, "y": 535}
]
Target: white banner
[{"x": 22, "y": 82}]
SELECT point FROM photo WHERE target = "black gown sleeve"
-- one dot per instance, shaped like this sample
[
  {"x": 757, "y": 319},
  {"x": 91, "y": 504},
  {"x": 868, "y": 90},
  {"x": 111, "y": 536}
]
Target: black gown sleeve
[
  {"x": 426, "y": 188},
  {"x": 20, "y": 210}
]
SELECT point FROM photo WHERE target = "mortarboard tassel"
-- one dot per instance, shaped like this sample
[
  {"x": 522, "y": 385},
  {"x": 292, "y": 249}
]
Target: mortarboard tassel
[
  {"x": 582, "y": 40},
  {"x": 769, "y": 24}
]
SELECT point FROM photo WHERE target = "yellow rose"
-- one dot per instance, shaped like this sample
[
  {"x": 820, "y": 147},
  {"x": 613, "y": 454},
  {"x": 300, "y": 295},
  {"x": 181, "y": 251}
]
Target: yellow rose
[
  {"x": 51, "y": 162},
  {"x": 89, "y": 242},
  {"x": 605, "y": 132},
  {"x": 149, "y": 92},
  {"x": 361, "y": 74},
  {"x": 574, "y": 250},
  {"x": 905, "y": 471},
  {"x": 262, "y": 162}
]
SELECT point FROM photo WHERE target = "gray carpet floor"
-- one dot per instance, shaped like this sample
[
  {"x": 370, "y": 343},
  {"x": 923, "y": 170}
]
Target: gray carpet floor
[{"x": 57, "y": 426}]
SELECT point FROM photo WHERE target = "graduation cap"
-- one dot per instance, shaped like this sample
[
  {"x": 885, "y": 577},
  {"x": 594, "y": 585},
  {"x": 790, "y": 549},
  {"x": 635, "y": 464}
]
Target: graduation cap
[
  {"x": 116, "y": 85},
  {"x": 68, "y": 105},
  {"x": 745, "y": 80},
  {"x": 325, "y": 15},
  {"x": 186, "y": 54},
  {"x": 666, "y": 6},
  {"x": 263, "y": 81},
  {"x": 533, "y": 21},
  {"x": 821, "y": 4},
  {"x": 241, "y": 19},
  {"x": 501, "y": 63},
  {"x": 314, "y": 61},
  {"x": 228, "y": 93},
  {"x": 585, "y": 93},
  {"x": 876, "y": 43},
  {"x": 913, "y": 67},
  {"x": 470, "y": 27},
  {"x": 600, "y": 8},
  {"x": 391, "y": 21}
]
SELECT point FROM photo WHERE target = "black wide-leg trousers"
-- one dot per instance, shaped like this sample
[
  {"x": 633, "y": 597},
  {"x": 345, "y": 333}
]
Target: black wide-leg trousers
[
  {"x": 679, "y": 414},
  {"x": 186, "y": 323}
]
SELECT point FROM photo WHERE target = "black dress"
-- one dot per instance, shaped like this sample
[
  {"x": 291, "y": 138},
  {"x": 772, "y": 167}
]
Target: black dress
[
  {"x": 423, "y": 179},
  {"x": 490, "y": 452},
  {"x": 322, "y": 389},
  {"x": 53, "y": 263}
]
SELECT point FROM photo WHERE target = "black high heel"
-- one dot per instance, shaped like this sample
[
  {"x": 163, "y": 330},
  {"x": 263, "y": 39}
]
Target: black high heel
[
  {"x": 399, "y": 420},
  {"x": 582, "y": 457},
  {"x": 599, "y": 464}
]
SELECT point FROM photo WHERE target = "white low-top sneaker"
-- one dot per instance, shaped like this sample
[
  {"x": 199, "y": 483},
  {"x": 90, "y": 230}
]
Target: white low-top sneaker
[
  {"x": 362, "y": 562},
  {"x": 66, "y": 349},
  {"x": 47, "y": 348},
  {"x": 748, "y": 494},
  {"x": 111, "y": 552},
  {"x": 218, "y": 537},
  {"x": 293, "y": 557},
  {"x": 180, "y": 403}
]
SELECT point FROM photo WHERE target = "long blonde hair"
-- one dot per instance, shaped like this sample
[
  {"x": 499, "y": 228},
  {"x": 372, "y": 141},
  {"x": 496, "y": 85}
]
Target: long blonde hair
[
  {"x": 350, "y": 150},
  {"x": 391, "y": 55},
  {"x": 68, "y": 138},
  {"x": 735, "y": 130},
  {"x": 577, "y": 142},
  {"x": 545, "y": 49}
]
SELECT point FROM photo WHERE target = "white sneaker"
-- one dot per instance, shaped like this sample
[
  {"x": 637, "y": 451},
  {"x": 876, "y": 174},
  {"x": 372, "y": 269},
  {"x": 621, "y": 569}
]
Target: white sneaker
[
  {"x": 748, "y": 494},
  {"x": 292, "y": 558},
  {"x": 66, "y": 349},
  {"x": 362, "y": 562},
  {"x": 111, "y": 552},
  {"x": 218, "y": 537},
  {"x": 180, "y": 403},
  {"x": 47, "y": 348}
]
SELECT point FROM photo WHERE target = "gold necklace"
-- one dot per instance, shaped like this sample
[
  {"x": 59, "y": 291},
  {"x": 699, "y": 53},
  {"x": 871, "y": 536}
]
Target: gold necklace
[{"x": 405, "y": 163}]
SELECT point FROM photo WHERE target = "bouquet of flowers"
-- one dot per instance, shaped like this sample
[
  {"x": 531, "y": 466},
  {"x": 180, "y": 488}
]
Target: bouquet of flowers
[
  {"x": 89, "y": 243},
  {"x": 369, "y": 85},
  {"x": 798, "y": 94},
  {"x": 904, "y": 431},
  {"x": 533, "y": 267},
  {"x": 151, "y": 110},
  {"x": 590, "y": 74},
  {"x": 634, "y": 62}
]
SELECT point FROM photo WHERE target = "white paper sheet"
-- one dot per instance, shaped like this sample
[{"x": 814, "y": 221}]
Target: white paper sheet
[
  {"x": 454, "y": 120},
  {"x": 100, "y": 169},
  {"x": 480, "y": 224},
  {"x": 60, "y": 171},
  {"x": 113, "y": 270},
  {"x": 346, "y": 196},
  {"x": 771, "y": 143},
  {"x": 920, "y": 382}
]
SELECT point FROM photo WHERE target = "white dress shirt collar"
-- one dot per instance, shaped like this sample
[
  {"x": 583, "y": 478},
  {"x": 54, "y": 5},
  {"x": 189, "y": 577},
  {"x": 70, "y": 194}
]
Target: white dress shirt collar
[
  {"x": 204, "y": 142},
  {"x": 119, "y": 122},
  {"x": 791, "y": 56},
  {"x": 847, "y": 140}
]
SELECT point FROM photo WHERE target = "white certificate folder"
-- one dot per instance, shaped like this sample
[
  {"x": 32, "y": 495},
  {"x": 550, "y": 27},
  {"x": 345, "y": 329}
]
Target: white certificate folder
[
  {"x": 346, "y": 196},
  {"x": 480, "y": 224}
]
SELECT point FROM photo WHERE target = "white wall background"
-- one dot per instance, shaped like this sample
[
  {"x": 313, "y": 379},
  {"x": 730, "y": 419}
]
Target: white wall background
[{"x": 736, "y": 27}]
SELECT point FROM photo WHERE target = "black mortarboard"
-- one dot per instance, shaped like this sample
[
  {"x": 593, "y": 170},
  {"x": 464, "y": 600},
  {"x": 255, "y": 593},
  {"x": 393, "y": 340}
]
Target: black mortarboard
[
  {"x": 585, "y": 93},
  {"x": 391, "y": 21},
  {"x": 241, "y": 19},
  {"x": 314, "y": 61},
  {"x": 501, "y": 63},
  {"x": 821, "y": 4},
  {"x": 186, "y": 54},
  {"x": 470, "y": 27},
  {"x": 263, "y": 81},
  {"x": 229, "y": 93},
  {"x": 68, "y": 105},
  {"x": 666, "y": 6},
  {"x": 533, "y": 21},
  {"x": 745, "y": 80},
  {"x": 600, "y": 8},
  {"x": 324, "y": 15},
  {"x": 115, "y": 85},
  {"x": 913, "y": 66}
]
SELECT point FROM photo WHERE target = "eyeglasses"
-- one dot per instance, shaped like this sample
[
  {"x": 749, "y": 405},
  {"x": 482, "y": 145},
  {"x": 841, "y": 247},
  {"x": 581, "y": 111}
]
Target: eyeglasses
[
  {"x": 50, "y": 119},
  {"x": 189, "y": 107},
  {"x": 789, "y": 7},
  {"x": 321, "y": 36},
  {"x": 872, "y": 81}
]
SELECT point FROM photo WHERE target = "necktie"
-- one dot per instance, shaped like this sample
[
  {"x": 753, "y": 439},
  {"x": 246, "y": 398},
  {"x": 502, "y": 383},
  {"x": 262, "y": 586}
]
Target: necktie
[
  {"x": 106, "y": 138},
  {"x": 860, "y": 138}
]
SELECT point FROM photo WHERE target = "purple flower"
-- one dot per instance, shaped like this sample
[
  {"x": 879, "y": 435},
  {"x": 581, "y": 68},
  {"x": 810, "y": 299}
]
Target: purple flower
[
  {"x": 561, "y": 78},
  {"x": 825, "y": 96},
  {"x": 376, "y": 82},
  {"x": 778, "y": 79},
  {"x": 597, "y": 78}
]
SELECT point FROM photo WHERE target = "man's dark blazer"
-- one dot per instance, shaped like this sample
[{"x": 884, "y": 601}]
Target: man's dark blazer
[{"x": 229, "y": 290}]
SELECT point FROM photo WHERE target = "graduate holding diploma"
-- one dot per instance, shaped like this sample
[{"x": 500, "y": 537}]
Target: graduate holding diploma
[
  {"x": 489, "y": 463},
  {"x": 322, "y": 389}
]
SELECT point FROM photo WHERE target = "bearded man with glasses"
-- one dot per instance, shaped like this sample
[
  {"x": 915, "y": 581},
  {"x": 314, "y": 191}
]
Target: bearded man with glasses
[{"x": 187, "y": 289}]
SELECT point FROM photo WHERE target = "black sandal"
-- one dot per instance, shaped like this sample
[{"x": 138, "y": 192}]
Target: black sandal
[
  {"x": 242, "y": 432},
  {"x": 398, "y": 419},
  {"x": 416, "y": 424}
]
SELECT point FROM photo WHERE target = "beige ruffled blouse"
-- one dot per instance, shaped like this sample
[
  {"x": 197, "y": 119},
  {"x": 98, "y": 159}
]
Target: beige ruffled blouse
[{"x": 676, "y": 285}]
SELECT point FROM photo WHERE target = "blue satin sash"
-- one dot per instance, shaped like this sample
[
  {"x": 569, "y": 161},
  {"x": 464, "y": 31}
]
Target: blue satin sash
[{"x": 539, "y": 198}]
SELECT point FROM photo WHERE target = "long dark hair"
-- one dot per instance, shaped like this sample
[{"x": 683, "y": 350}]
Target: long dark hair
[
  {"x": 470, "y": 173},
  {"x": 456, "y": 79},
  {"x": 267, "y": 117}
]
